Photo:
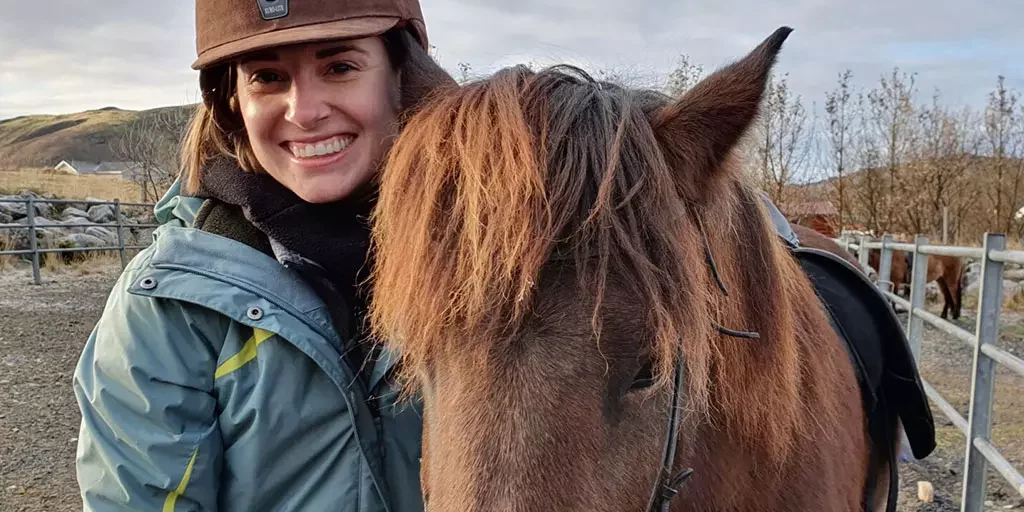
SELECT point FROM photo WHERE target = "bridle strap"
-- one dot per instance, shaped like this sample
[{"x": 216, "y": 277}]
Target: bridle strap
[{"x": 667, "y": 484}]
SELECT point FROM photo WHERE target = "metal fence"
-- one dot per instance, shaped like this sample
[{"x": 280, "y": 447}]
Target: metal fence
[
  {"x": 977, "y": 427},
  {"x": 31, "y": 225}
]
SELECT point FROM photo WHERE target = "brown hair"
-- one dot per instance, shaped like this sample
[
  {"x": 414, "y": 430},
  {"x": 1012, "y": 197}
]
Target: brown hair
[
  {"x": 495, "y": 171},
  {"x": 216, "y": 128},
  {"x": 501, "y": 182}
]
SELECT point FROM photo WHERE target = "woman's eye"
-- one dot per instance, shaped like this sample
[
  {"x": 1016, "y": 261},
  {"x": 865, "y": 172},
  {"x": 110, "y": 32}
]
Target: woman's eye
[
  {"x": 341, "y": 68},
  {"x": 265, "y": 77}
]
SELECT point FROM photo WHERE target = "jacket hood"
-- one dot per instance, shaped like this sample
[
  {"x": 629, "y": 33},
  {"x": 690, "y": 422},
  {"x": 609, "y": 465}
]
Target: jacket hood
[{"x": 176, "y": 208}]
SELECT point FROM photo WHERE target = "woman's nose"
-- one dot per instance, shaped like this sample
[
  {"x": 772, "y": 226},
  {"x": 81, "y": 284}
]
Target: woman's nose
[{"x": 307, "y": 106}]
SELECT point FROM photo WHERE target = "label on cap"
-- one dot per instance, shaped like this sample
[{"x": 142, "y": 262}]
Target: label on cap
[{"x": 273, "y": 9}]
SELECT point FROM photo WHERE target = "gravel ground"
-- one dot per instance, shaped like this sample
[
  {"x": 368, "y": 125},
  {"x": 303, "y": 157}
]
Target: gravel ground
[
  {"x": 946, "y": 364},
  {"x": 42, "y": 331},
  {"x": 43, "y": 328}
]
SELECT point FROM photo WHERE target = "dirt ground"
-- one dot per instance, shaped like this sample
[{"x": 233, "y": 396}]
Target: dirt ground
[{"x": 43, "y": 328}]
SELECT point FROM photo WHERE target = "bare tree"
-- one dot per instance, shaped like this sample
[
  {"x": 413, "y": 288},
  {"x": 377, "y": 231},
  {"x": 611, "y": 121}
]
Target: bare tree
[
  {"x": 151, "y": 144},
  {"x": 1003, "y": 146},
  {"x": 465, "y": 72},
  {"x": 892, "y": 114},
  {"x": 685, "y": 75},
  {"x": 784, "y": 140},
  {"x": 946, "y": 154},
  {"x": 839, "y": 112},
  {"x": 869, "y": 185}
]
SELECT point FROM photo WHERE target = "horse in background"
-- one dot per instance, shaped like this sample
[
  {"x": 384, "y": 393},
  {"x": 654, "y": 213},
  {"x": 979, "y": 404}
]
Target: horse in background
[
  {"x": 595, "y": 308},
  {"x": 946, "y": 271}
]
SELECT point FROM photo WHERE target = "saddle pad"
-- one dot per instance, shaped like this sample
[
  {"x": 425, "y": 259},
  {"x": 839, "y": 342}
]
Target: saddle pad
[{"x": 877, "y": 343}]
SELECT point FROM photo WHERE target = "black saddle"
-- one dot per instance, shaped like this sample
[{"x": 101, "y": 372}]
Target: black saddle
[{"x": 864, "y": 319}]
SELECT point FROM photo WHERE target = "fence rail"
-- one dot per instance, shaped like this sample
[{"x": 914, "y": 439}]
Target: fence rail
[
  {"x": 977, "y": 428},
  {"x": 33, "y": 227}
]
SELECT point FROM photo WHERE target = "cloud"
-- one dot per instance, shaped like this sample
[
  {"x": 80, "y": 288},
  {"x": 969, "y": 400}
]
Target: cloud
[
  {"x": 65, "y": 56},
  {"x": 69, "y": 55}
]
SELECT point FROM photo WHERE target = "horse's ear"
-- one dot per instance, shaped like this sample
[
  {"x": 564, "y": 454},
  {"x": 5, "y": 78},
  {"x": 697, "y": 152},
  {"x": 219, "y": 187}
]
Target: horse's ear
[{"x": 698, "y": 131}]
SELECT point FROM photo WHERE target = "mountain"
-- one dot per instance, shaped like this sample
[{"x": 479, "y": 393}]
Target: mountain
[{"x": 92, "y": 135}]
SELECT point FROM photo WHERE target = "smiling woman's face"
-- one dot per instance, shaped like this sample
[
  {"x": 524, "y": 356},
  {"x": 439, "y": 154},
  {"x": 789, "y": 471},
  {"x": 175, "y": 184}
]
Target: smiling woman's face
[{"x": 320, "y": 116}]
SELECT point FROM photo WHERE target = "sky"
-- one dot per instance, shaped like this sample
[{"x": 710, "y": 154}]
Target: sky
[{"x": 65, "y": 56}]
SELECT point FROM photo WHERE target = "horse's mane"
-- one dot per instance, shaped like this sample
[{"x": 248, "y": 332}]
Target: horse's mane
[{"x": 504, "y": 175}]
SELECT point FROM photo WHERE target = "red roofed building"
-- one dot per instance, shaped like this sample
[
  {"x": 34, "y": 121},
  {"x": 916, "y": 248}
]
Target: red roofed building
[{"x": 820, "y": 216}]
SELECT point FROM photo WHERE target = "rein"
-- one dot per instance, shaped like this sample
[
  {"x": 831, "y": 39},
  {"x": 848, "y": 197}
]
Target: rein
[{"x": 668, "y": 484}]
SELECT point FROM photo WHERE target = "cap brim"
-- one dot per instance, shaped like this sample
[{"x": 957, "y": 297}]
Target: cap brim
[{"x": 342, "y": 29}]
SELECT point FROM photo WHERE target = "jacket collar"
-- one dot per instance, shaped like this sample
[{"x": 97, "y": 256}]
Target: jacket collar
[{"x": 178, "y": 245}]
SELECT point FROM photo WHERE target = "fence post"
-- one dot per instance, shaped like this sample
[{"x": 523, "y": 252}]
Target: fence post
[
  {"x": 32, "y": 245},
  {"x": 983, "y": 375},
  {"x": 862, "y": 253},
  {"x": 915, "y": 324},
  {"x": 885, "y": 265},
  {"x": 120, "y": 237}
]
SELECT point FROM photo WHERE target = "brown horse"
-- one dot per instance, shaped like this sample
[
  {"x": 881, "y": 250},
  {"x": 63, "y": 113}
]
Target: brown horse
[
  {"x": 550, "y": 250},
  {"x": 812, "y": 238},
  {"x": 946, "y": 271}
]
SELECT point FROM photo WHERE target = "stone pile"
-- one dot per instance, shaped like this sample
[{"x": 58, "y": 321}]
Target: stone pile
[{"x": 68, "y": 225}]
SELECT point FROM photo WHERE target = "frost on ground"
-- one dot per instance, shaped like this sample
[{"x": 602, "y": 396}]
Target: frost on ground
[{"x": 43, "y": 329}]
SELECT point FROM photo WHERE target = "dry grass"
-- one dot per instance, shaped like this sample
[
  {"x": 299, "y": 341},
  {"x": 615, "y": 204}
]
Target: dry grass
[
  {"x": 68, "y": 186},
  {"x": 80, "y": 264},
  {"x": 6, "y": 244}
]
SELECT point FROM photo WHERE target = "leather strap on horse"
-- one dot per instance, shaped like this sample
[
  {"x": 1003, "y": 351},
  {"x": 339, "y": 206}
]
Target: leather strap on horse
[{"x": 668, "y": 484}]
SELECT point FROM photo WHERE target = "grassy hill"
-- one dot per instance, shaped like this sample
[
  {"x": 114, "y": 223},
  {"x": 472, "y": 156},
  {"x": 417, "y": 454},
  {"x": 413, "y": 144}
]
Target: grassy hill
[{"x": 93, "y": 135}]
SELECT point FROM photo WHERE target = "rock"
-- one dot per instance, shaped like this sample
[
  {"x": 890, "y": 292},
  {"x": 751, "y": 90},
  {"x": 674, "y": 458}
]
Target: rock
[
  {"x": 20, "y": 241},
  {"x": 1010, "y": 288},
  {"x": 15, "y": 210},
  {"x": 972, "y": 289},
  {"x": 71, "y": 211},
  {"x": 1013, "y": 290},
  {"x": 101, "y": 213},
  {"x": 80, "y": 240},
  {"x": 109, "y": 237},
  {"x": 44, "y": 209},
  {"x": 39, "y": 222},
  {"x": 925, "y": 492},
  {"x": 76, "y": 221},
  {"x": 973, "y": 273},
  {"x": 1013, "y": 275},
  {"x": 6, "y": 218}
]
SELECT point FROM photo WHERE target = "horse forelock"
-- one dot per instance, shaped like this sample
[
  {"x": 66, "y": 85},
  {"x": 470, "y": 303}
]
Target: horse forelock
[{"x": 489, "y": 180}]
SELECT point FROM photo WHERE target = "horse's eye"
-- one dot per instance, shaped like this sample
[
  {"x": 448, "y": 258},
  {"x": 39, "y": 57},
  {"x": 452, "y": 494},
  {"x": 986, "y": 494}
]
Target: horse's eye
[{"x": 644, "y": 377}]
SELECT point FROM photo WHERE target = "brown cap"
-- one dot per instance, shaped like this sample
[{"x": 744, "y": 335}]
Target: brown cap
[{"x": 229, "y": 28}]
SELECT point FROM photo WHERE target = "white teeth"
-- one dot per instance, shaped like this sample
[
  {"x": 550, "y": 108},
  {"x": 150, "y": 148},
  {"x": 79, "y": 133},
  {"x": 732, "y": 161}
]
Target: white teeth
[{"x": 327, "y": 147}]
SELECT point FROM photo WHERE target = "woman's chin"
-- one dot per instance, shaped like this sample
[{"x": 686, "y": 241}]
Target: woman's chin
[{"x": 324, "y": 188}]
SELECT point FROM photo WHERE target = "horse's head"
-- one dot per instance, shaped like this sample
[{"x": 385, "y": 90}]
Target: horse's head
[{"x": 542, "y": 263}]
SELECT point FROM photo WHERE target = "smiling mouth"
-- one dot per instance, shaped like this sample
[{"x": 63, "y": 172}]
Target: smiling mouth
[{"x": 321, "y": 148}]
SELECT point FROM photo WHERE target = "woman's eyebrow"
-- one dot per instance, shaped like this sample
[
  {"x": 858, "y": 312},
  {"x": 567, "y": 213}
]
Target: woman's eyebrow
[{"x": 334, "y": 50}]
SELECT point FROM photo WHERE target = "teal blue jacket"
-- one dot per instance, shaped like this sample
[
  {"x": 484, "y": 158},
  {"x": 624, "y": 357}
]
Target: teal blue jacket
[{"x": 214, "y": 381}]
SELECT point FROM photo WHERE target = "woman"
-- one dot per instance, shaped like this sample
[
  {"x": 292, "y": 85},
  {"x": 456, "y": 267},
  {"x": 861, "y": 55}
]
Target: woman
[{"x": 229, "y": 370}]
